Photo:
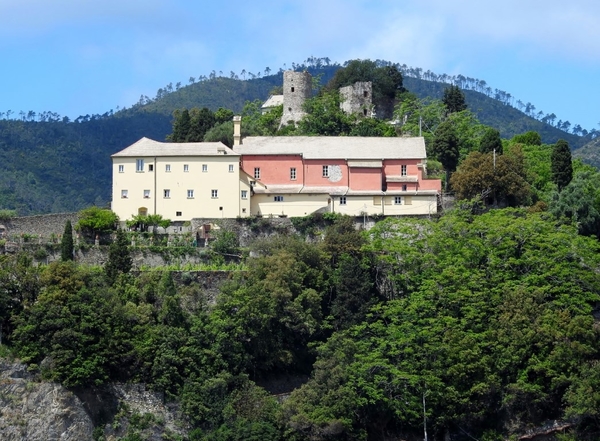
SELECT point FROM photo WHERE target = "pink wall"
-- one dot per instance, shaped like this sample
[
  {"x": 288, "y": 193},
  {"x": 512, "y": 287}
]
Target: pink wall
[
  {"x": 430, "y": 184},
  {"x": 365, "y": 178},
  {"x": 393, "y": 167},
  {"x": 313, "y": 173},
  {"x": 397, "y": 186},
  {"x": 274, "y": 170}
]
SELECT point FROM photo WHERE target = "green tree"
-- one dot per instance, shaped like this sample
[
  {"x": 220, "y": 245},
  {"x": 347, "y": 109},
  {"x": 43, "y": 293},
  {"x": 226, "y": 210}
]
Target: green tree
[
  {"x": 445, "y": 147},
  {"x": 144, "y": 223},
  {"x": 562, "y": 167},
  {"x": 181, "y": 126},
  {"x": 491, "y": 142},
  {"x": 454, "y": 99},
  {"x": 528, "y": 138},
  {"x": 324, "y": 116},
  {"x": 223, "y": 115},
  {"x": 66, "y": 243},
  {"x": 119, "y": 258},
  {"x": 499, "y": 180},
  {"x": 95, "y": 220},
  {"x": 221, "y": 133},
  {"x": 579, "y": 203},
  {"x": 201, "y": 121},
  {"x": 372, "y": 127}
]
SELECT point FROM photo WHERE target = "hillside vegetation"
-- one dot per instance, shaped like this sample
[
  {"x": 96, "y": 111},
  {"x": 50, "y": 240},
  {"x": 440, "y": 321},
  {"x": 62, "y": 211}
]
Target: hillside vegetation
[{"x": 482, "y": 323}]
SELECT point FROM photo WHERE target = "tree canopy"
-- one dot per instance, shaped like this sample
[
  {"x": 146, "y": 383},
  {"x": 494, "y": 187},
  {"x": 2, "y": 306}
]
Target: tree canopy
[
  {"x": 454, "y": 99},
  {"x": 562, "y": 167}
]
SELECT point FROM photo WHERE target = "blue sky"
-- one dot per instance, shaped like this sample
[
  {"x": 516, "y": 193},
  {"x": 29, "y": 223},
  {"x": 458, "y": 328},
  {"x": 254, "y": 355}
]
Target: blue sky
[{"x": 78, "y": 57}]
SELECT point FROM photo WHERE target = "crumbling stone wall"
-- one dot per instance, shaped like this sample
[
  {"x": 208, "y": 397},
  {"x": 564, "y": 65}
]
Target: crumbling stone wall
[{"x": 357, "y": 98}]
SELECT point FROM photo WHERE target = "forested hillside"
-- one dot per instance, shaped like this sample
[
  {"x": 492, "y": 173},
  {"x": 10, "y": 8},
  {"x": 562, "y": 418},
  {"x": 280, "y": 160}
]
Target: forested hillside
[
  {"x": 52, "y": 165},
  {"x": 479, "y": 325}
]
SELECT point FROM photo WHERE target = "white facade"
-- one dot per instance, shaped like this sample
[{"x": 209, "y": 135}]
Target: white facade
[{"x": 179, "y": 181}]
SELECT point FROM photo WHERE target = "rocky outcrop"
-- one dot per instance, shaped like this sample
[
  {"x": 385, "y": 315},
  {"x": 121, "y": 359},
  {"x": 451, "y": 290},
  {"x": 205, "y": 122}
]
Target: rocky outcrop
[{"x": 34, "y": 410}]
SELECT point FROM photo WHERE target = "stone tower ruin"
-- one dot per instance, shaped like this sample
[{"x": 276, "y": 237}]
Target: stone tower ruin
[
  {"x": 297, "y": 88},
  {"x": 357, "y": 98}
]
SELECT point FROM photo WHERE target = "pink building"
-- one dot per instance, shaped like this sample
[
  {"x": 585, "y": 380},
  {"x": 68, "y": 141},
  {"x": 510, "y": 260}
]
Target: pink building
[{"x": 298, "y": 175}]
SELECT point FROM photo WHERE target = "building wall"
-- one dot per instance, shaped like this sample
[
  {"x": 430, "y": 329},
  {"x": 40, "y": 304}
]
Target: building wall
[
  {"x": 313, "y": 173},
  {"x": 146, "y": 189},
  {"x": 293, "y": 205},
  {"x": 274, "y": 169},
  {"x": 356, "y": 205},
  {"x": 365, "y": 178}
]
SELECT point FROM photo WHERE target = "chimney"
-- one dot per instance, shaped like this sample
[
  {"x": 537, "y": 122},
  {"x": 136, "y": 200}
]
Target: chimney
[{"x": 237, "y": 130}]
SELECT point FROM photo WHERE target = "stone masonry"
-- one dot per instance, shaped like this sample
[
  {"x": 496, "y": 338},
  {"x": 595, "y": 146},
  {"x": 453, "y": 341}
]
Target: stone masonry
[
  {"x": 297, "y": 88},
  {"x": 357, "y": 98}
]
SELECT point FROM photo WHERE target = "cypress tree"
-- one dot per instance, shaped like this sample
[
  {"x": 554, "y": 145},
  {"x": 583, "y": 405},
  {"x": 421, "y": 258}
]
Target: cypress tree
[
  {"x": 561, "y": 163},
  {"x": 119, "y": 259},
  {"x": 181, "y": 126},
  {"x": 66, "y": 243},
  {"x": 445, "y": 147}
]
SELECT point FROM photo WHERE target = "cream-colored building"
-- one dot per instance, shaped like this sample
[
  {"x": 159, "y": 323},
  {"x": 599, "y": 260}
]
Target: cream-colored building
[{"x": 180, "y": 181}]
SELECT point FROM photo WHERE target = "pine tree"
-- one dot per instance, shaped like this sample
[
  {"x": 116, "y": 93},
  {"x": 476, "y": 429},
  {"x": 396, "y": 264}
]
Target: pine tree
[
  {"x": 66, "y": 244},
  {"x": 562, "y": 167},
  {"x": 119, "y": 258},
  {"x": 454, "y": 99}
]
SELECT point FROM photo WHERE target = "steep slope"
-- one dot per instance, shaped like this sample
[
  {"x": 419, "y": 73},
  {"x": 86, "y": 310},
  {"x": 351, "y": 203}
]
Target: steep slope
[{"x": 589, "y": 153}]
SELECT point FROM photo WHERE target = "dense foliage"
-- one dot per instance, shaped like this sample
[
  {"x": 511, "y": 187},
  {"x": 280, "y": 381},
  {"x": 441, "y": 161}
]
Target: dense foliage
[{"x": 487, "y": 318}]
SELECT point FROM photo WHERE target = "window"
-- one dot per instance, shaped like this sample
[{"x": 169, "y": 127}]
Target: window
[
  {"x": 230, "y": 168},
  {"x": 150, "y": 167},
  {"x": 168, "y": 168},
  {"x": 139, "y": 165},
  {"x": 178, "y": 213},
  {"x": 293, "y": 173},
  {"x": 146, "y": 194},
  {"x": 186, "y": 168},
  {"x": 167, "y": 194},
  {"x": 404, "y": 187},
  {"x": 292, "y": 89},
  {"x": 243, "y": 210},
  {"x": 256, "y": 172},
  {"x": 403, "y": 170},
  {"x": 124, "y": 194},
  {"x": 204, "y": 168},
  {"x": 342, "y": 200},
  {"x": 365, "y": 94},
  {"x": 397, "y": 200},
  {"x": 214, "y": 194},
  {"x": 325, "y": 171},
  {"x": 121, "y": 168},
  {"x": 278, "y": 198},
  {"x": 252, "y": 183},
  {"x": 244, "y": 194},
  {"x": 190, "y": 194}
]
